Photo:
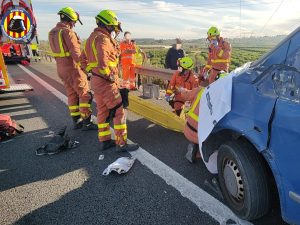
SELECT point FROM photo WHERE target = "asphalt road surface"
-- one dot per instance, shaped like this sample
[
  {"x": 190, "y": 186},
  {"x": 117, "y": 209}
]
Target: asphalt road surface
[{"x": 162, "y": 187}]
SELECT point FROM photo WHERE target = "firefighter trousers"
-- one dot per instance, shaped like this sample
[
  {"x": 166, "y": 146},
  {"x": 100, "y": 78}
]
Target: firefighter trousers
[
  {"x": 78, "y": 91},
  {"x": 110, "y": 109}
]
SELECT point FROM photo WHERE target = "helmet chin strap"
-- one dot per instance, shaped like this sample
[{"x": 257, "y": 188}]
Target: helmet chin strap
[
  {"x": 70, "y": 24},
  {"x": 109, "y": 29},
  {"x": 183, "y": 71}
]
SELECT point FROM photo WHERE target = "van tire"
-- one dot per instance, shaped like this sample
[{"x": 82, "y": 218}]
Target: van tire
[{"x": 243, "y": 179}]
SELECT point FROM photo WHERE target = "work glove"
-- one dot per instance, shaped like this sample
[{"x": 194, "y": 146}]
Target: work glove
[
  {"x": 204, "y": 74},
  {"x": 168, "y": 98},
  {"x": 215, "y": 43},
  {"x": 181, "y": 89},
  {"x": 111, "y": 77},
  {"x": 89, "y": 76}
]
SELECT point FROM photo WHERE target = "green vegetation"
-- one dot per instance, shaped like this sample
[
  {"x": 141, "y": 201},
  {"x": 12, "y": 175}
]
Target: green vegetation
[
  {"x": 236, "y": 42},
  {"x": 244, "y": 49},
  {"x": 240, "y": 55}
]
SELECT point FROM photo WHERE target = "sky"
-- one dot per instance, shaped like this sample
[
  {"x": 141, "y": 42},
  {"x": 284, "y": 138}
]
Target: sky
[{"x": 188, "y": 19}]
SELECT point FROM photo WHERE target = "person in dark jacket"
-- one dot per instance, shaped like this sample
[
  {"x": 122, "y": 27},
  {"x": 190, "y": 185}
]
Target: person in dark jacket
[{"x": 173, "y": 55}]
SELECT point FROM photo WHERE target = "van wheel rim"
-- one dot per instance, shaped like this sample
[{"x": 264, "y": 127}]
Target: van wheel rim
[{"x": 233, "y": 181}]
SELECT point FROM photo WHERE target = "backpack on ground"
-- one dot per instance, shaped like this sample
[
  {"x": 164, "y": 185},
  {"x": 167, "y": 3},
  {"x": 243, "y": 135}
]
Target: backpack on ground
[{"x": 9, "y": 128}]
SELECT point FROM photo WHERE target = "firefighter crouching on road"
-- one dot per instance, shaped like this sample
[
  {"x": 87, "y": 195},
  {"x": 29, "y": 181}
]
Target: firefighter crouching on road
[
  {"x": 219, "y": 55},
  {"x": 183, "y": 78},
  {"x": 128, "y": 51},
  {"x": 65, "y": 46},
  {"x": 192, "y": 118},
  {"x": 101, "y": 54}
]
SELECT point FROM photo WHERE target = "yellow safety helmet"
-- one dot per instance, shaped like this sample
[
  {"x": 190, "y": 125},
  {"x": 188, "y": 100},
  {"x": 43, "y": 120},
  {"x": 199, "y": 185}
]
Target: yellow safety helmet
[
  {"x": 70, "y": 13},
  {"x": 186, "y": 63},
  {"x": 213, "y": 31},
  {"x": 108, "y": 17}
]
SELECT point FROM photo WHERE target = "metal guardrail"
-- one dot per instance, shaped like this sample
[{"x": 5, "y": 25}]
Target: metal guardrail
[
  {"x": 46, "y": 55},
  {"x": 164, "y": 74}
]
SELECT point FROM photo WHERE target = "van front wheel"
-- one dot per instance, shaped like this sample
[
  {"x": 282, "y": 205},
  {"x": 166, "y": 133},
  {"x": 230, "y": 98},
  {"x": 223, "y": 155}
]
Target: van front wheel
[{"x": 243, "y": 180}]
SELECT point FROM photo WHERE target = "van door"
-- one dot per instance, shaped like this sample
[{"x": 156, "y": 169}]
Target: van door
[{"x": 285, "y": 136}]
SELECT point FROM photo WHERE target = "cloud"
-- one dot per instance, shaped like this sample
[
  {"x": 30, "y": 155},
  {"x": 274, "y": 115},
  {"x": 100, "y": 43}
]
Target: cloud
[{"x": 169, "y": 19}]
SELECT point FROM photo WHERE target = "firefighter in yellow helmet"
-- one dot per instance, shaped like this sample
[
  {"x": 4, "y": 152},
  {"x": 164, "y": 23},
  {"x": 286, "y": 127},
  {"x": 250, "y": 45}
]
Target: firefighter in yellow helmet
[
  {"x": 192, "y": 118},
  {"x": 219, "y": 55},
  {"x": 101, "y": 54},
  {"x": 183, "y": 78},
  {"x": 65, "y": 46}
]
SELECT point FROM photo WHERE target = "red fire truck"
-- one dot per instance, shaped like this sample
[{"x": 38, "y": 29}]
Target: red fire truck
[{"x": 18, "y": 30}]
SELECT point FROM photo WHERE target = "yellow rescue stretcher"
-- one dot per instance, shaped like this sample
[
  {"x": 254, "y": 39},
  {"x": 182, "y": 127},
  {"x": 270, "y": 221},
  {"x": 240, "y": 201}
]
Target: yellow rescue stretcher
[
  {"x": 151, "y": 110},
  {"x": 155, "y": 113}
]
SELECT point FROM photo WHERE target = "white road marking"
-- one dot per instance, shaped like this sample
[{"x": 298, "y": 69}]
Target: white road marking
[
  {"x": 55, "y": 92},
  {"x": 204, "y": 201}
]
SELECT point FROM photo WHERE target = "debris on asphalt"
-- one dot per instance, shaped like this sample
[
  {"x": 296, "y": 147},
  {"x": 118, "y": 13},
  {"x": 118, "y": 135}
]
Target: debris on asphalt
[
  {"x": 214, "y": 186},
  {"x": 50, "y": 134},
  {"x": 121, "y": 165},
  {"x": 58, "y": 143},
  {"x": 101, "y": 157},
  {"x": 9, "y": 128},
  {"x": 94, "y": 119}
]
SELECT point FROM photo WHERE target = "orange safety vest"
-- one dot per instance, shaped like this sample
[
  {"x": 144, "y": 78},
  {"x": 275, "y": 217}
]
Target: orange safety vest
[{"x": 125, "y": 57}]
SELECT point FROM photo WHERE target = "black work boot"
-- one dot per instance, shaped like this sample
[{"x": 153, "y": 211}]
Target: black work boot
[
  {"x": 107, "y": 144},
  {"x": 77, "y": 122},
  {"x": 127, "y": 148},
  {"x": 87, "y": 124}
]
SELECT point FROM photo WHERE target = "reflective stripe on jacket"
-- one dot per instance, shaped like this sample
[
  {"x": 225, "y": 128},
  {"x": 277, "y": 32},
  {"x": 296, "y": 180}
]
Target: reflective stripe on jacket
[
  {"x": 62, "y": 52},
  {"x": 192, "y": 118},
  {"x": 124, "y": 45},
  {"x": 101, "y": 54},
  {"x": 219, "y": 57},
  {"x": 64, "y": 42},
  {"x": 194, "y": 111}
]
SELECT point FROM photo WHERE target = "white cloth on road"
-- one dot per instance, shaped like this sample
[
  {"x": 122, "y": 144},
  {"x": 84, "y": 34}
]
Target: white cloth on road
[{"x": 121, "y": 165}]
